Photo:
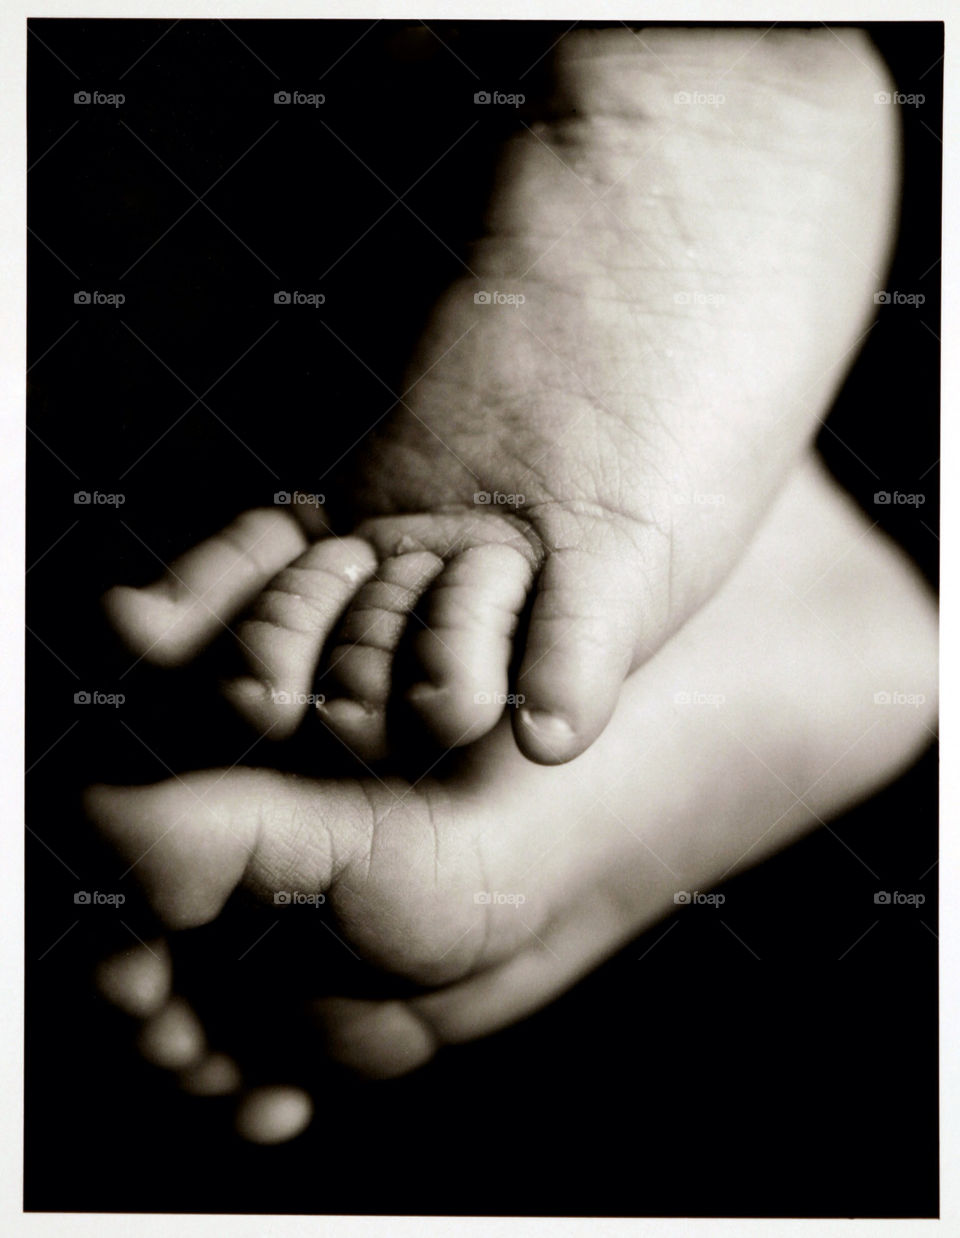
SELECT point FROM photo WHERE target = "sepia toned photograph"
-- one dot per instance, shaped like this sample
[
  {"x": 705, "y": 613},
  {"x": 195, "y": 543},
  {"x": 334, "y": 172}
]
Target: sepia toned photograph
[{"x": 482, "y": 548}]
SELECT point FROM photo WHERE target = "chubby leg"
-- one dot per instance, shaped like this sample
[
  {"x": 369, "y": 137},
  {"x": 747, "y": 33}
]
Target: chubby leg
[{"x": 594, "y": 423}]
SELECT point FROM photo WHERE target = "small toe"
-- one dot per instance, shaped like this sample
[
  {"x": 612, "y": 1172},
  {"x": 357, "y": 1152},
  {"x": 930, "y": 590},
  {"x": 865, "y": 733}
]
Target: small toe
[
  {"x": 214, "y": 1075},
  {"x": 465, "y": 649},
  {"x": 173, "y": 1037},
  {"x": 359, "y": 677},
  {"x": 170, "y": 621},
  {"x": 283, "y": 637},
  {"x": 137, "y": 980},
  {"x": 270, "y": 1115}
]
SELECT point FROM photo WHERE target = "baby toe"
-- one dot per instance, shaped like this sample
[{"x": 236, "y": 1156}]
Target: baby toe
[
  {"x": 270, "y": 1115},
  {"x": 359, "y": 678},
  {"x": 173, "y": 1037},
  {"x": 136, "y": 980},
  {"x": 171, "y": 620},
  {"x": 465, "y": 649},
  {"x": 284, "y": 635}
]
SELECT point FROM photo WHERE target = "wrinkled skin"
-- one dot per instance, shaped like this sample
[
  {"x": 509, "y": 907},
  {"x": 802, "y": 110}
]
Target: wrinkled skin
[{"x": 675, "y": 796}]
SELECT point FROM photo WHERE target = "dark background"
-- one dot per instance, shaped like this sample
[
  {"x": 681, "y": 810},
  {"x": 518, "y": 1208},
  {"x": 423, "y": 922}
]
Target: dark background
[{"x": 796, "y": 1077}]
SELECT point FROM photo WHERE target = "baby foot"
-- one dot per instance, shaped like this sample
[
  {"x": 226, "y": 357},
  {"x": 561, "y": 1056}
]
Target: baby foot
[
  {"x": 678, "y": 264},
  {"x": 486, "y": 890}
]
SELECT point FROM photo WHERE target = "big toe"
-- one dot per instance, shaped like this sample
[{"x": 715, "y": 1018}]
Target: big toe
[
  {"x": 190, "y": 841},
  {"x": 581, "y": 645}
]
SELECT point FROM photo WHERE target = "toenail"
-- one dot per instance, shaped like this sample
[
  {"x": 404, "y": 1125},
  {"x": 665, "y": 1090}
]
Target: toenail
[
  {"x": 424, "y": 693},
  {"x": 547, "y": 726},
  {"x": 248, "y": 689},
  {"x": 407, "y": 544},
  {"x": 343, "y": 710}
]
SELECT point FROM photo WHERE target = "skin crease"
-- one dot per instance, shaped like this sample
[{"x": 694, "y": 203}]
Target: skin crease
[
  {"x": 668, "y": 799},
  {"x": 665, "y": 249},
  {"x": 607, "y": 455}
]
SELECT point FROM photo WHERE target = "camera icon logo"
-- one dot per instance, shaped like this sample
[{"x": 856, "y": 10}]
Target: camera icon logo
[
  {"x": 82, "y": 897},
  {"x": 281, "y": 298},
  {"x": 682, "y": 96},
  {"x": 283, "y": 497},
  {"x": 81, "y": 496},
  {"x": 282, "y": 96},
  {"x": 482, "y": 298},
  {"x": 82, "y": 96},
  {"x": 882, "y": 96},
  {"x": 881, "y": 496},
  {"x": 882, "y": 698},
  {"x": 482, "y": 96},
  {"x": 882, "y": 897},
  {"x": 682, "y": 897},
  {"x": 282, "y": 897},
  {"x": 81, "y": 698},
  {"x": 882, "y": 298},
  {"x": 280, "y": 698},
  {"x": 81, "y": 298},
  {"x": 482, "y": 496}
]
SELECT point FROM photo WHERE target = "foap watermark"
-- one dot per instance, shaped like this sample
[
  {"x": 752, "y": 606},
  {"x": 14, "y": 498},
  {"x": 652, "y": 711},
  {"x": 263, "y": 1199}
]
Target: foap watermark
[
  {"x": 298, "y": 498},
  {"x": 313, "y": 299},
  {"x": 496, "y": 498},
  {"x": 898, "y": 898},
  {"x": 899, "y": 498},
  {"x": 494, "y": 898},
  {"x": 494, "y": 297},
  {"x": 113, "y": 699},
  {"x": 695, "y": 898},
  {"x": 916, "y": 699},
  {"x": 699, "y": 298},
  {"x": 498, "y": 698},
  {"x": 97, "y": 898},
  {"x": 897, "y": 97},
  {"x": 98, "y": 98},
  {"x": 113, "y": 299},
  {"x": 298, "y": 98},
  {"x": 699, "y": 98},
  {"x": 297, "y": 698},
  {"x": 498, "y": 98},
  {"x": 298, "y": 898},
  {"x": 713, "y": 699},
  {"x": 98, "y": 498},
  {"x": 884, "y": 297}
]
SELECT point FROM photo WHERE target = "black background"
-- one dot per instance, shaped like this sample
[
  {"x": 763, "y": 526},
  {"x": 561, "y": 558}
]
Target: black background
[{"x": 703, "y": 1078}]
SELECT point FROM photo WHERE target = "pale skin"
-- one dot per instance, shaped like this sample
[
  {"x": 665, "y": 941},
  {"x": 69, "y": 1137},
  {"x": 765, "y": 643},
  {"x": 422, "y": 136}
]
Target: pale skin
[
  {"x": 613, "y": 409},
  {"x": 697, "y": 276},
  {"x": 819, "y": 615}
]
